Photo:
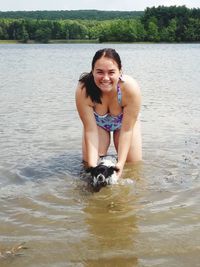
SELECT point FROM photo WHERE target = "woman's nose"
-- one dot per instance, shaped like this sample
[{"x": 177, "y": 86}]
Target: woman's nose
[{"x": 106, "y": 77}]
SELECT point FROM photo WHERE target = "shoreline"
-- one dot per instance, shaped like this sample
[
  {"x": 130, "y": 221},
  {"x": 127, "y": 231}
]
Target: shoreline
[
  {"x": 79, "y": 41},
  {"x": 60, "y": 41}
]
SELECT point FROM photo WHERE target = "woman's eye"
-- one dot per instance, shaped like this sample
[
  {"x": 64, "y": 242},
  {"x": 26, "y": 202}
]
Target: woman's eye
[{"x": 109, "y": 73}]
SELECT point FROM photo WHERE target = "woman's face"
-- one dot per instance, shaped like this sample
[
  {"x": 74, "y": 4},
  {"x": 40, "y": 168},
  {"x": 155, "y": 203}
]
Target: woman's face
[{"x": 106, "y": 74}]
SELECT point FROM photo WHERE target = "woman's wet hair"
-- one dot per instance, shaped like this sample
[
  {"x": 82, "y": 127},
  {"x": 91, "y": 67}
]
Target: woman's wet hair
[{"x": 92, "y": 90}]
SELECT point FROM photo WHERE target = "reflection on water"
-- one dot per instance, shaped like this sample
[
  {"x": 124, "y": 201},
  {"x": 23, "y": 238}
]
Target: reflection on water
[
  {"x": 151, "y": 218},
  {"x": 112, "y": 221}
]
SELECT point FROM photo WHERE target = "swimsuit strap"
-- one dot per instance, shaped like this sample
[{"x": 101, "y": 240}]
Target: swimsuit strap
[{"x": 119, "y": 95}]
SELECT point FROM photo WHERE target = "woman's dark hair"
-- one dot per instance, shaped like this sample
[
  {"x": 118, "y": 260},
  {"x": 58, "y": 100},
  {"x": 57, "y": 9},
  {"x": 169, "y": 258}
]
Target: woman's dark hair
[{"x": 92, "y": 90}]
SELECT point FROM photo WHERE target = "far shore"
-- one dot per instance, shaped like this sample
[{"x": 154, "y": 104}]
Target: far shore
[
  {"x": 86, "y": 41},
  {"x": 62, "y": 41}
]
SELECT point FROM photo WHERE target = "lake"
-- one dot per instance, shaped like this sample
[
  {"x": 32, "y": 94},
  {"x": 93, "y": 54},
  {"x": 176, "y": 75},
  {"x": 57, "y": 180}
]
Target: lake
[{"x": 153, "y": 221}]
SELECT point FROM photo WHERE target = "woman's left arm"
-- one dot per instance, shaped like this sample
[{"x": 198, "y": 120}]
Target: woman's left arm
[{"x": 131, "y": 109}]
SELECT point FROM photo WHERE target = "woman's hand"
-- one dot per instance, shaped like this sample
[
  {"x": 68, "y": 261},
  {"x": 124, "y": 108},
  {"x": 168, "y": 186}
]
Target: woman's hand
[{"x": 119, "y": 168}]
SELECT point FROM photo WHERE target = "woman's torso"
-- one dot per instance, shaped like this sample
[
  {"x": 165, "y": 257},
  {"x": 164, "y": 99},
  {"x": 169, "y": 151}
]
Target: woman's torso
[{"x": 109, "y": 114}]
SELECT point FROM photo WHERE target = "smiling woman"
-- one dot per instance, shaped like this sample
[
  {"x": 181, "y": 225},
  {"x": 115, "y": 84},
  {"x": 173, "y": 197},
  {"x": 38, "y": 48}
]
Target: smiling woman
[{"x": 109, "y": 102}]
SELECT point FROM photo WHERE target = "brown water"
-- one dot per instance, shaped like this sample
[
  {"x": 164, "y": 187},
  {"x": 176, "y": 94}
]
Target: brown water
[{"x": 153, "y": 221}]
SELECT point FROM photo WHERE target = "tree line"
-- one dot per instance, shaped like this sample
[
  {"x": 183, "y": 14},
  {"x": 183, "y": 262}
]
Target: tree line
[
  {"x": 161, "y": 24},
  {"x": 71, "y": 14}
]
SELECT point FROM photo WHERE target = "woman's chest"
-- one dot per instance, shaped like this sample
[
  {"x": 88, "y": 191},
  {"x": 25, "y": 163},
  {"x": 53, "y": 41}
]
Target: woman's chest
[{"x": 111, "y": 106}]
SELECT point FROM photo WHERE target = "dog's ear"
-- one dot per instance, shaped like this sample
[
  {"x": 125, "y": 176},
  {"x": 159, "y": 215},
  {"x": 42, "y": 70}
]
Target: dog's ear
[
  {"x": 115, "y": 168},
  {"x": 112, "y": 169},
  {"x": 92, "y": 170},
  {"x": 89, "y": 169}
]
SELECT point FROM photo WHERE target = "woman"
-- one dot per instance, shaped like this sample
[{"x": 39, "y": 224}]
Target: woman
[{"x": 109, "y": 102}]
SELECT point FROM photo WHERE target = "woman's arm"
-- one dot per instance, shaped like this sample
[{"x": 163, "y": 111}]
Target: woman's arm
[
  {"x": 86, "y": 113},
  {"x": 132, "y": 104}
]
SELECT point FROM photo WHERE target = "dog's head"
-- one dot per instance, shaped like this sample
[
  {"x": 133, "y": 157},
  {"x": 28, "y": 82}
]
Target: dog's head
[{"x": 101, "y": 175}]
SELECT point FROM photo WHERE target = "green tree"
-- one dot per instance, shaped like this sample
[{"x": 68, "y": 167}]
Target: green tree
[
  {"x": 31, "y": 26},
  {"x": 1, "y": 33},
  {"x": 77, "y": 31},
  {"x": 4, "y": 27},
  {"x": 22, "y": 34},
  {"x": 168, "y": 34},
  {"x": 152, "y": 32},
  {"x": 129, "y": 31},
  {"x": 104, "y": 32},
  {"x": 119, "y": 30},
  {"x": 141, "y": 32},
  {"x": 56, "y": 30},
  {"x": 192, "y": 32},
  {"x": 43, "y": 35}
]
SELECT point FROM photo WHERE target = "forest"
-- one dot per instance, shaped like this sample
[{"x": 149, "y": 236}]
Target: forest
[
  {"x": 71, "y": 14},
  {"x": 155, "y": 24}
]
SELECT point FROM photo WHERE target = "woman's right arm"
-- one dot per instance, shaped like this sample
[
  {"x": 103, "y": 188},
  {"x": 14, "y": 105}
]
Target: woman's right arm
[{"x": 86, "y": 113}]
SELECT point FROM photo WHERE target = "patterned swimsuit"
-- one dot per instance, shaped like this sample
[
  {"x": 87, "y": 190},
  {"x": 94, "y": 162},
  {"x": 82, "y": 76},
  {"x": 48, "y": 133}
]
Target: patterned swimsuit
[{"x": 109, "y": 122}]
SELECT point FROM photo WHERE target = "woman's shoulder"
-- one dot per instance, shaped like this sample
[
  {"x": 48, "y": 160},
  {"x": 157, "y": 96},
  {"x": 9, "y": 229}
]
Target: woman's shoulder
[
  {"x": 80, "y": 87},
  {"x": 81, "y": 94},
  {"x": 129, "y": 85},
  {"x": 130, "y": 92}
]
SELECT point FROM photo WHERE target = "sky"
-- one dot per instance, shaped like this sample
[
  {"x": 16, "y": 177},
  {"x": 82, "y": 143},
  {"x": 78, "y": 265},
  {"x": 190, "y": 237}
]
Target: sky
[{"x": 122, "y": 5}]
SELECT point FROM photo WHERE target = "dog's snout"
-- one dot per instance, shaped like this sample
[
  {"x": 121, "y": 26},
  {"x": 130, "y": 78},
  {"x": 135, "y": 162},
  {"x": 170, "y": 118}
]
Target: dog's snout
[{"x": 101, "y": 178}]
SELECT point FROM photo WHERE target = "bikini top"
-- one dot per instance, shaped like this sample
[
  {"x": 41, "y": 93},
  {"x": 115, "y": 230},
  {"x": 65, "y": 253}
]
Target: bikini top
[{"x": 110, "y": 122}]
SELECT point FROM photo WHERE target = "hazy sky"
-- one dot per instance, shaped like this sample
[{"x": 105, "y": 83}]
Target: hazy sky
[{"x": 6, "y": 5}]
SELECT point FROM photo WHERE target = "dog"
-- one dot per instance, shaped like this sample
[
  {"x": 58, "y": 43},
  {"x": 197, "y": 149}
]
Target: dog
[{"x": 105, "y": 173}]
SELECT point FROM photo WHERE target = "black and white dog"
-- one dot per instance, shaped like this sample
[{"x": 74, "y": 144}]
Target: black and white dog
[{"x": 105, "y": 173}]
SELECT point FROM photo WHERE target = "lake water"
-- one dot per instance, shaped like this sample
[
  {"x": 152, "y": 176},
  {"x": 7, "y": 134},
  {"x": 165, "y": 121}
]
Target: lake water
[{"x": 153, "y": 221}]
